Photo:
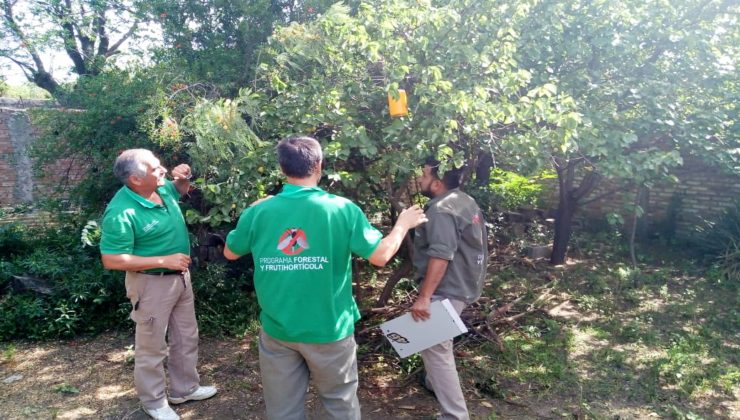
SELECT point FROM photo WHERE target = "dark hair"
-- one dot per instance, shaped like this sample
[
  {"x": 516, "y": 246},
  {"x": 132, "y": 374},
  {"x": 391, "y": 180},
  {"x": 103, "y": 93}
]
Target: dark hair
[
  {"x": 451, "y": 178},
  {"x": 299, "y": 156}
]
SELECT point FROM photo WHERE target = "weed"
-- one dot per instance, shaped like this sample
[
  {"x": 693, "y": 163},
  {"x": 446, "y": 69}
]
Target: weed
[
  {"x": 410, "y": 364},
  {"x": 9, "y": 353},
  {"x": 679, "y": 414},
  {"x": 66, "y": 388},
  {"x": 610, "y": 357}
]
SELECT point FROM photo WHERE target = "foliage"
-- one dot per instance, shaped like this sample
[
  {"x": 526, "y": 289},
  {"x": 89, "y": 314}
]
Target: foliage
[
  {"x": 65, "y": 388},
  {"x": 24, "y": 91},
  {"x": 650, "y": 94},
  {"x": 229, "y": 159},
  {"x": 330, "y": 78},
  {"x": 721, "y": 239},
  {"x": 509, "y": 190},
  {"x": 88, "y": 31},
  {"x": 91, "y": 234},
  {"x": 85, "y": 299},
  {"x": 224, "y": 304},
  {"x": 88, "y": 299},
  {"x": 90, "y": 138},
  {"x": 217, "y": 42}
]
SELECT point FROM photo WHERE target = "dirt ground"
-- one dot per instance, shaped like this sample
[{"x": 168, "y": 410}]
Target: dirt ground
[{"x": 94, "y": 379}]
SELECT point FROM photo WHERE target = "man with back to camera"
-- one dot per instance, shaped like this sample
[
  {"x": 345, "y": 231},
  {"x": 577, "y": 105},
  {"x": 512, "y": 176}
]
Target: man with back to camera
[
  {"x": 144, "y": 234},
  {"x": 301, "y": 241},
  {"x": 450, "y": 258}
]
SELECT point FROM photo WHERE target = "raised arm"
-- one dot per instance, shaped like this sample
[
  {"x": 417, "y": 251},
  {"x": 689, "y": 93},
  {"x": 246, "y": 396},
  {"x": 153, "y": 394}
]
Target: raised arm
[
  {"x": 181, "y": 178},
  {"x": 407, "y": 220}
]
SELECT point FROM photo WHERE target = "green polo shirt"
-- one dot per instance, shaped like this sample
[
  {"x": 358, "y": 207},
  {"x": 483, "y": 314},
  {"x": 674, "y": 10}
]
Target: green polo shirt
[
  {"x": 134, "y": 225},
  {"x": 301, "y": 242}
]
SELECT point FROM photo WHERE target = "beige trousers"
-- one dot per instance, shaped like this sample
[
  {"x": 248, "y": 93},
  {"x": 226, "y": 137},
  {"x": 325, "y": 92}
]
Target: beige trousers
[
  {"x": 287, "y": 366},
  {"x": 163, "y": 306},
  {"x": 442, "y": 378}
]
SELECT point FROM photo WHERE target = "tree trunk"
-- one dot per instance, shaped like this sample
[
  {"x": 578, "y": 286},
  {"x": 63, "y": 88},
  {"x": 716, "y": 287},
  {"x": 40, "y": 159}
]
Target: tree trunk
[
  {"x": 392, "y": 281},
  {"x": 568, "y": 199},
  {"x": 45, "y": 81},
  {"x": 563, "y": 229},
  {"x": 483, "y": 169}
]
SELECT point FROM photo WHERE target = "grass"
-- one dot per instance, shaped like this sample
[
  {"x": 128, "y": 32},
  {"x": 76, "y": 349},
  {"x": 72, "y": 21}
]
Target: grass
[
  {"x": 9, "y": 352},
  {"x": 662, "y": 337}
]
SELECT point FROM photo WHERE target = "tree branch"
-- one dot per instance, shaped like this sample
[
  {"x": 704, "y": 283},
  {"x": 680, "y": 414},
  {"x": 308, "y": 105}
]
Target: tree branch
[
  {"x": 38, "y": 75},
  {"x": 589, "y": 182},
  {"x": 114, "y": 49},
  {"x": 69, "y": 39}
]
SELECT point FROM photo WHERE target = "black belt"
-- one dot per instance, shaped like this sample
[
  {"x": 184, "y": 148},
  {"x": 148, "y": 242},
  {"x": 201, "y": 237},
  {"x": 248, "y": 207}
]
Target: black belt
[{"x": 162, "y": 273}]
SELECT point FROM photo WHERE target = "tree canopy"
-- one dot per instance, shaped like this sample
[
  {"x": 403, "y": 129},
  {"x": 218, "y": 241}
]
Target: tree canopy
[
  {"x": 594, "y": 90},
  {"x": 88, "y": 31}
]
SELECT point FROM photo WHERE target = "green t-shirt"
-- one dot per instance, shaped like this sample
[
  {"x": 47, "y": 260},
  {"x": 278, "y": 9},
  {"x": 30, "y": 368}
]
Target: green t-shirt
[
  {"x": 301, "y": 242},
  {"x": 134, "y": 225}
]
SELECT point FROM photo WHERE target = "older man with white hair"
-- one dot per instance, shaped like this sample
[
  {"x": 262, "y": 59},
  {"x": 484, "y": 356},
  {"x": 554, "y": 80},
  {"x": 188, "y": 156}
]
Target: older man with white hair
[{"x": 144, "y": 234}]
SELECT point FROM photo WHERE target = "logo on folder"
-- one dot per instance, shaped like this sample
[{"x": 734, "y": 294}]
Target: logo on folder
[{"x": 293, "y": 241}]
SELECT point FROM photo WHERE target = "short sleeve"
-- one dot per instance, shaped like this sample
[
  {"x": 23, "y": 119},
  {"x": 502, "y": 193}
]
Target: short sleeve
[
  {"x": 117, "y": 234},
  {"x": 239, "y": 240},
  {"x": 364, "y": 237},
  {"x": 171, "y": 189},
  {"x": 442, "y": 236}
]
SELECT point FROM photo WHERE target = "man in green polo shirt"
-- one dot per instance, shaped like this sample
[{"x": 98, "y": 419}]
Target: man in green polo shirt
[
  {"x": 301, "y": 242},
  {"x": 144, "y": 234}
]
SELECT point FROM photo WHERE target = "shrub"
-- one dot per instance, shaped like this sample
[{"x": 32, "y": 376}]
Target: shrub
[
  {"x": 85, "y": 297},
  {"x": 721, "y": 239},
  {"x": 509, "y": 190},
  {"x": 223, "y": 304},
  {"x": 88, "y": 299}
]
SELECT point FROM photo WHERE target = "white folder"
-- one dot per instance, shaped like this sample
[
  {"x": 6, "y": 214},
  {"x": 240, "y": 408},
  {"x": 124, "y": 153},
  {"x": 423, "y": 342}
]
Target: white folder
[{"x": 408, "y": 336}]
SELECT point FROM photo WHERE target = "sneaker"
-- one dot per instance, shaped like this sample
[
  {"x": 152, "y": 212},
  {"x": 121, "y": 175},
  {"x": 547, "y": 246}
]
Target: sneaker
[
  {"x": 200, "y": 393},
  {"x": 164, "y": 413}
]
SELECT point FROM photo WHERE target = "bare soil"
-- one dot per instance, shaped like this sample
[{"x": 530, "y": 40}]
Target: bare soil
[{"x": 93, "y": 378}]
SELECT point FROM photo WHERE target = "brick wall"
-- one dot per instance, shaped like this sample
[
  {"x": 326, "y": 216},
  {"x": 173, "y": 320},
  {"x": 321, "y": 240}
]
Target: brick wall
[
  {"x": 20, "y": 184},
  {"x": 702, "y": 192}
]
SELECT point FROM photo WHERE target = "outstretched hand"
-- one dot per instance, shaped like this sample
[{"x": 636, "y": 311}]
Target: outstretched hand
[{"x": 411, "y": 217}]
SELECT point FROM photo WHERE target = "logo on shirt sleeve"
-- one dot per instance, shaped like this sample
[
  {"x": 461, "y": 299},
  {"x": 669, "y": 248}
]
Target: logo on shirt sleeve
[{"x": 293, "y": 241}]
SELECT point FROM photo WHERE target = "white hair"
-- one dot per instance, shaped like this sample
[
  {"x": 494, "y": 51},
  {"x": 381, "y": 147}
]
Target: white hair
[{"x": 131, "y": 162}]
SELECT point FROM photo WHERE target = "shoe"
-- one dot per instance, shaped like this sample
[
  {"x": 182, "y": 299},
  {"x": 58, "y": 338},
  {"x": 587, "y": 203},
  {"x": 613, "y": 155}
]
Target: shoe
[
  {"x": 164, "y": 413},
  {"x": 200, "y": 393}
]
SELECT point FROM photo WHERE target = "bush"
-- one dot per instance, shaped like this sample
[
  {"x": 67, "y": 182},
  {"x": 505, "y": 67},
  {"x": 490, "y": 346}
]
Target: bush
[
  {"x": 720, "y": 239},
  {"x": 509, "y": 190},
  {"x": 85, "y": 297},
  {"x": 88, "y": 299},
  {"x": 224, "y": 305}
]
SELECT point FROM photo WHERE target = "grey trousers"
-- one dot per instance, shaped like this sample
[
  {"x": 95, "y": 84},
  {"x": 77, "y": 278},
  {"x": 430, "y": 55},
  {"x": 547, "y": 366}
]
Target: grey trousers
[
  {"x": 163, "y": 305},
  {"x": 442, "y": 378},
  {"x": 285, "y": 368}
]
